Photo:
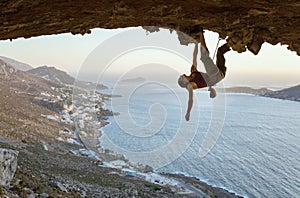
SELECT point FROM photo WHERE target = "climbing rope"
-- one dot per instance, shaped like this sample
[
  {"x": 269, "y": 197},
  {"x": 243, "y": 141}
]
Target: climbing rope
[{"x": 216, "y": 48}]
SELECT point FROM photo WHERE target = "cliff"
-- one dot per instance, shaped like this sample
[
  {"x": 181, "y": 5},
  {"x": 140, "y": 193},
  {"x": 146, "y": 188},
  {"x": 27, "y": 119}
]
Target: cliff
[{"x": 246, "y": 24}]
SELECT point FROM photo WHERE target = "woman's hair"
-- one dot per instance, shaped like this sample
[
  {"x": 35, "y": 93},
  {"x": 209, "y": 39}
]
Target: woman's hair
[
  {"x": 212, "y": 93},
  {"x": 181, "y": 83}
]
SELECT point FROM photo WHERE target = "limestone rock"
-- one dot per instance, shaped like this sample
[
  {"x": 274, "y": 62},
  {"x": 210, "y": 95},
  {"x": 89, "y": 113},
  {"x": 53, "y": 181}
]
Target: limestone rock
[
  {"x": 246, "y": 24},
  {"x": 8, "y": 165},
  {"x": 57, "y": 185},
  {"x": 6, "y": 70}
]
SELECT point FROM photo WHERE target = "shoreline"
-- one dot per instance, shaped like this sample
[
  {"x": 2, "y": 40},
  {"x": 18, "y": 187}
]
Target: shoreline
[
  {"x": 205, "y": 186},
  {"x": 182, "y": 175},
  {"x": 186, "y": 175}
]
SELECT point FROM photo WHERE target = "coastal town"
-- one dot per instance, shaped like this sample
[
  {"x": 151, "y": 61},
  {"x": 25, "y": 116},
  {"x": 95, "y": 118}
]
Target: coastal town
[{"x": 49, "y": 142}]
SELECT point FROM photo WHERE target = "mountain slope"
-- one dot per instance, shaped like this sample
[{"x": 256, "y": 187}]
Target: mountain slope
[
  {"x": 53, "y": 74},
  {"x": 16, "y": 64},
  {"x": 292, "y": 93},
  {"x": 56, "y": 75},
  {"x": 24, "y": 82},
  {"x": 20, "y": 117}
]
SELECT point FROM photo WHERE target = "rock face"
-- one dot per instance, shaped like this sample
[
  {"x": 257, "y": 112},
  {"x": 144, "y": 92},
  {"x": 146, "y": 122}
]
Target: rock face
[
  {"x": 8, "y": 165},
  {"x": 16, "y": 64},
  {"x": 6, "y": 70},
  {"x": 246, "y": 24}
]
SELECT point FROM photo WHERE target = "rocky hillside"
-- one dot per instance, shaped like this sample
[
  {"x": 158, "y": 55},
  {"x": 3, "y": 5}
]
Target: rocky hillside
[
  {"x": 24, "y": 82},
  {"x": 6, "y": 70},
  {"x": 20, "y": 117},
  {"x": 292, "y": 93},
  {"x": 53, "y": 172},
  {"x": 56, "y": 75},
  {"x": 51, "y": 160},
  {"x": 16, "y": 64},
  {"x": 53, "y": 74}
]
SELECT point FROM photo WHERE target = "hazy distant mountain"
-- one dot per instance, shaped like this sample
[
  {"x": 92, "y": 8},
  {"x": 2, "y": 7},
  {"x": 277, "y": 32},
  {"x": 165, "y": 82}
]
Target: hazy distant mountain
[
  {"x": 56, "y": 75},
  {"x": 292, "y": 93},
  {"x": 16, "y": 64},
  {"x": 247, "y": 90},
  {"x": 51, "y": 73},
  {"x": 23, "y": 82},
  {"x": 134, "y": 80}
]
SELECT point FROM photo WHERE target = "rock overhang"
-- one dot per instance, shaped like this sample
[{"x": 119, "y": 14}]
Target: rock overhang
[{"x": 246, "y": 25}]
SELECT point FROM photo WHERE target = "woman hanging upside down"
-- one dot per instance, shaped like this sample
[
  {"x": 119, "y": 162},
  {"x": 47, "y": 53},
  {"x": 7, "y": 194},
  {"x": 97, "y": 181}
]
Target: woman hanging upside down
[{"x": 214, "y": 72}]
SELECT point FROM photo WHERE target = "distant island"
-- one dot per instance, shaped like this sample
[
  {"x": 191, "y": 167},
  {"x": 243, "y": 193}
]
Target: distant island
[
  {"x": 292, "y": 93},
  {"x": 247, "y": 90},
  {"x": 134, "y": 80}
]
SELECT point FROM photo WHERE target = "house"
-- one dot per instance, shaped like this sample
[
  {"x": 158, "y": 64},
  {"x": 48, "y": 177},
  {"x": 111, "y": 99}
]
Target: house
[
  {"x": 118, "y": 163},
  {"x": 129, "y": 172}
]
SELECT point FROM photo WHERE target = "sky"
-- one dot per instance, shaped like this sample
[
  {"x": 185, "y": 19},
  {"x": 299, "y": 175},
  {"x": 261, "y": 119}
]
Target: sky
[{"x": 274, "y": 66}]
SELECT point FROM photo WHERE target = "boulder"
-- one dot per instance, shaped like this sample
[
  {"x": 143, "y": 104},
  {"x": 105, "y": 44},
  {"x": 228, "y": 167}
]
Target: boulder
[{"x": 8, "y": 165}]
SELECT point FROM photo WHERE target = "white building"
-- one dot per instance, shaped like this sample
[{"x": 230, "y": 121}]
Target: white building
[{"x": 129, "y": 172}]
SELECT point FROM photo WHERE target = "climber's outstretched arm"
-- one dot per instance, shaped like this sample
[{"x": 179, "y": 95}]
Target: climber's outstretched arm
[
  {"x": 194, "y": 66},
  {"x": 190, "y": 102}
]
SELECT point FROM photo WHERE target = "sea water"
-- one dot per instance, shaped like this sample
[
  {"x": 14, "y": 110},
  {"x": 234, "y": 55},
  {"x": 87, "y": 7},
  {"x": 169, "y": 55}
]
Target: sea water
[{"x": 257, "y": 153}]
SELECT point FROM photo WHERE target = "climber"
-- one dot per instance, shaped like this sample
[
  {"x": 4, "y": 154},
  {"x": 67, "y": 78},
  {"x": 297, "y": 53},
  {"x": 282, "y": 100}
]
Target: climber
[{"x": 214, "y": 72}]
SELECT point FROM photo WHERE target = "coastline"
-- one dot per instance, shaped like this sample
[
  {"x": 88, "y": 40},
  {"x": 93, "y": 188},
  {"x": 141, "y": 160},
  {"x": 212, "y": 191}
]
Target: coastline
[
  {"x": 78, "y": 175},
  {"x": 204, "y": 185},
  {"x": 62, "y": 166},
  {"x": 191, "y": 181},
  {"x": 209, "y": 189},
  {"x": 261, "y": 100}
]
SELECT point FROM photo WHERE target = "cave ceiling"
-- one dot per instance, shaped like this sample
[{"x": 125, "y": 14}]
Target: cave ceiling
[{"x": 246, "y": 24}]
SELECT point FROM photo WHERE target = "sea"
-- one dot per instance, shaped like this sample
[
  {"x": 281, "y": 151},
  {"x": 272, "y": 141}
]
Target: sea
[{"x": 252, "y": 143}]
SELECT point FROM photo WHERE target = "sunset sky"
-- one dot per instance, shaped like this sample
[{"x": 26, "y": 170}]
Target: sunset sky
[{"x": 274, "y": 66}]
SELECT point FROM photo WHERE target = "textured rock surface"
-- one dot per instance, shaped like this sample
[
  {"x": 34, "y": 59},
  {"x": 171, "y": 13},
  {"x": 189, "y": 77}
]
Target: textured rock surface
[
  {"x": 6, "y": 70},
  {"x": 8, "y": 165},
  {"x": 247, "y": 23}
]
